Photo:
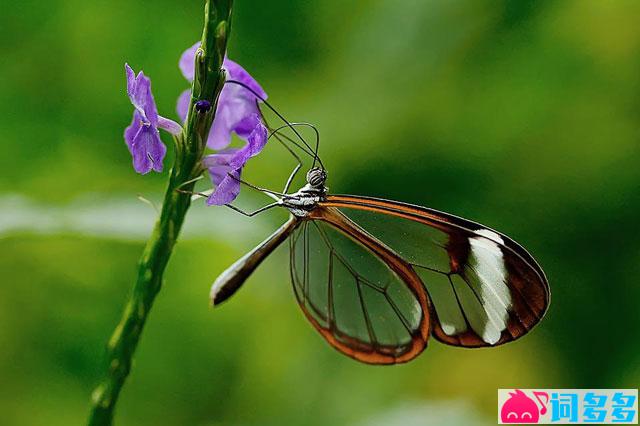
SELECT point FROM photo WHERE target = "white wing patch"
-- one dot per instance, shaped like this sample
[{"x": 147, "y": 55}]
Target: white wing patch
[
  {"x": 487, "y": 275},
  {"x": 478, "y": 298}
]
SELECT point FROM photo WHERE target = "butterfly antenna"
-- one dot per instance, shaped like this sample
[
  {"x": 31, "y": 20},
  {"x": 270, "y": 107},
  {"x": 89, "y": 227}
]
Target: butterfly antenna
[
  {"x": 310, "y": 151},
  {"x": 279, "y": 136},
  {"x": 314, "y": 154}
]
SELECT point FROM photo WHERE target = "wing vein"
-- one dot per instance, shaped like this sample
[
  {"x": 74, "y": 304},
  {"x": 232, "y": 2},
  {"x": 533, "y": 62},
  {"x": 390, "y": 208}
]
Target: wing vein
[
  {"x": 437, "y": 271},
  {"x": 367, "y": 320},
  {"x": 330, "y": 305},
  {"x": 464, "y": 314},
  {"x": 482, "y": 305},
  {"x": 305, "y": 280},
  {"x": 401, "y": 317}
]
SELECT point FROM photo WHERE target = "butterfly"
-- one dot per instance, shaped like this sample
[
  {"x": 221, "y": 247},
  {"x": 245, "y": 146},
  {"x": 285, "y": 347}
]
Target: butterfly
[{"x": 376, "y": 278}]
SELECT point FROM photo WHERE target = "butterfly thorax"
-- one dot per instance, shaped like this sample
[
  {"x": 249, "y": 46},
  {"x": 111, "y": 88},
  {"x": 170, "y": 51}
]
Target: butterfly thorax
[{"x": 306, "y": 199}]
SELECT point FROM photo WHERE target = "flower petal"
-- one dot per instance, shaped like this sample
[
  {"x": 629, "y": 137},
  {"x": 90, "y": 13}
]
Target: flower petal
[
  {"x": 220, "y": 158},
  {"x": 232, "y": 111},
  {"x": 236, "y": 72},
  {"x": 139, "y": 91},
  {"x": 223, "y": 176},
  {"x": 223, "y": 122},
  {"x": 187, "y": 62},
  {"x": 225, "y": 166},
  {"x": 131, "y": 80},
  {"x": 225, "y": 179},
  {"x": 258, "y": 138},
  {"x": 182, "y": 106},
  {"x": 237, "y": 107},
  {"x": 148, "y": 150},
  {"x": 169, "y": 125},
  {"x": 232, "y": 160},
  {"x": 255, "y": 143},
  {"x": 132, "y": 130},
  {"x": 227, "y": 190},
  {"x": 250, "y": 124}
]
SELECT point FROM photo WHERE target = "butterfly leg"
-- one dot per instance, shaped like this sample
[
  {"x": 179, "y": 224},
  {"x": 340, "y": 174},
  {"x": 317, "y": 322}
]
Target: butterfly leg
[
  {"x": 195, "y": 194},
  {"x": 248, "y": 214},
  {"x": 292, "y": 176},
  {"x": 255, "y": 212},
  {"x": 270, "y": 193}
]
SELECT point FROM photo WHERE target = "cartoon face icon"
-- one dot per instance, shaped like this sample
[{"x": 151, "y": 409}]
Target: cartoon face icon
[{"x": 519, "y": 408}]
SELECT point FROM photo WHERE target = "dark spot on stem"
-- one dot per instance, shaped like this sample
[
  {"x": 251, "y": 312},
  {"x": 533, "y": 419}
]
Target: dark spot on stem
[{"x": 203, "y": 106}]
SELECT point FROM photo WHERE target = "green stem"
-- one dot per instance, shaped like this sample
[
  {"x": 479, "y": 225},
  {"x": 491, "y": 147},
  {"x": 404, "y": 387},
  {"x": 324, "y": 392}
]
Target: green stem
[{"x": 189, "y": 148}]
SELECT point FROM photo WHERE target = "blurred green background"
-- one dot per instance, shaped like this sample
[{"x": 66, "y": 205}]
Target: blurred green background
[{"x": 523, "y": 115}]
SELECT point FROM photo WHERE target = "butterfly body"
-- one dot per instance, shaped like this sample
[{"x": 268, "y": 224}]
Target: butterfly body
[
  {"x": 308, "y": 197},
  {"x": 302, "y": 202}
]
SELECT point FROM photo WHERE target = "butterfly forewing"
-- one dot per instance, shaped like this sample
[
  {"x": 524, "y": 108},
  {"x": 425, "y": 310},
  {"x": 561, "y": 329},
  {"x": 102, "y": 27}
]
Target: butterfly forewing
[
  {"x": 485, "y": 289},
  {"x": 349, "y": 291}
]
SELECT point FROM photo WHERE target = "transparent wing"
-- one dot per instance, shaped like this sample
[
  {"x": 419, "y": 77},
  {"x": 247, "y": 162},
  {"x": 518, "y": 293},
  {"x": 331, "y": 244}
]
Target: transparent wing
[
  {"x": 364, "y": 302},
  {"x": 484, "y": 288}
]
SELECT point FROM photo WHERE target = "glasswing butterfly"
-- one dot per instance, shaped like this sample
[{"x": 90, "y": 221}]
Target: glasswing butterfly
[{"x": 376, "y": 277}]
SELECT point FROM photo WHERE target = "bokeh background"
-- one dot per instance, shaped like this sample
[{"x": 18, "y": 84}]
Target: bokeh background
[{"x": 523, "y": 115}]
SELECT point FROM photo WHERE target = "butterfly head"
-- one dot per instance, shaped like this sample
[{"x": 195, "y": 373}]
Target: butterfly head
[{"x": 316, "y": 177}]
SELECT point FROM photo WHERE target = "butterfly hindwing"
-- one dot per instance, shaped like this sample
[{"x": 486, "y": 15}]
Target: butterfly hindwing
[{"x": 362, "y": 298}]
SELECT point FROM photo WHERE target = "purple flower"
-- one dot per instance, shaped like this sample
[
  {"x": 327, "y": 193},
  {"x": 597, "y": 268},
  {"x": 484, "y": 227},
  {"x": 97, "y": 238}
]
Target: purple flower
[
  {"x": 142, "y": 136},
  {"x": 226, "y": 166},
  {"x": 237, "y": 111},
  {"x": 236, "y": 104}
]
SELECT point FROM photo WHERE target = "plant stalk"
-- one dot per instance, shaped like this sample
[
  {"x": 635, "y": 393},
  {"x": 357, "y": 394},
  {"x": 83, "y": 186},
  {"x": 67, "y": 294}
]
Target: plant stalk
[{"x": 189, "y": 147}]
